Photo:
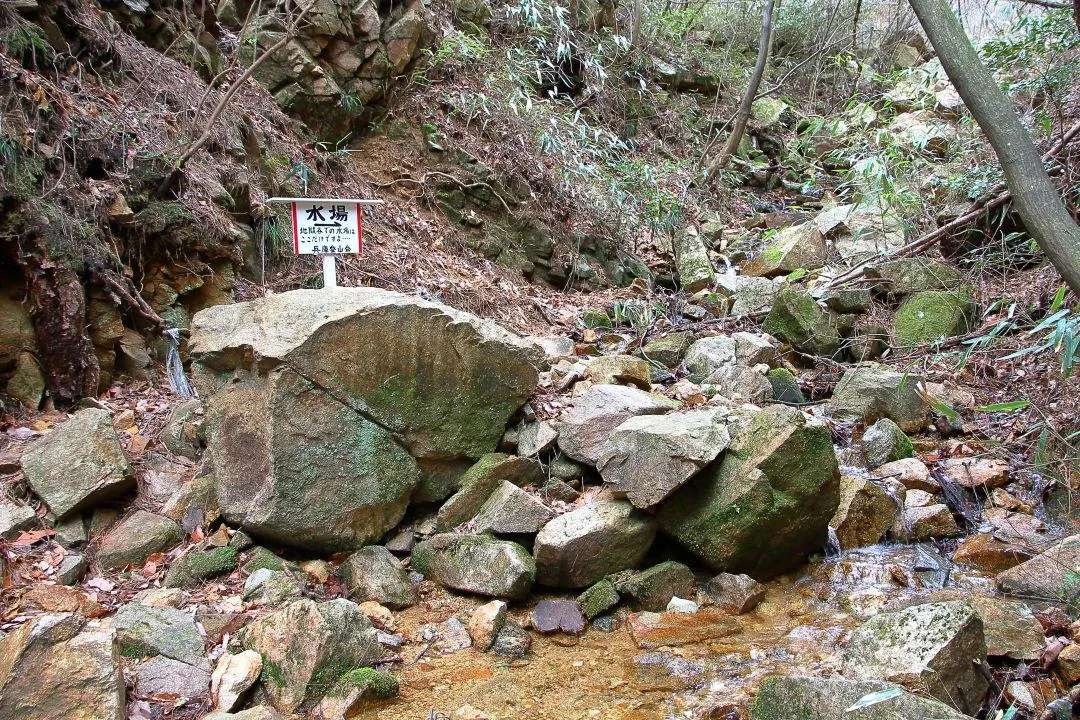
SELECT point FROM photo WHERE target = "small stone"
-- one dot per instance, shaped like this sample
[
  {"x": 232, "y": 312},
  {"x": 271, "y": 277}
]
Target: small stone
[
  {"x": 536, "y": 438},
  {"x": 511, "y": 642},
  {"x": 373, "y": 573},
  {"x": 15, "y": 518},
  {"x": 918, "y": 498},
  {"x": 785, "y": 387},
  {"x": 734, "y": 594},
  {"x": 318, "y": 571},
  {"x": 71, "y": 532},
  {"x": 477, "y": 564},
  {"x": 606, "y": 623},
  {"x": 599, "y": 598},
  {"x": 1067, "y": 665},
  {"x": 136, "y": 538},
  {"x": 558, "y": 616},
  {"x": 233, "y": 676},
  {"x": 468, "y": 712},
  {"x": 884, "y": 442},
  {"x": 977, "y": 473},
  {"x": 162, "y": 675},
  {"x": 485, "y": 623},
  {"x": 260, "y": 557},
  {"x": 679, "y": 605},
  {"x": 912, "y": 474},
  {"x": 509, "y": 510},
  {"x": 619, "y": 370},
  {"x": 267, "y": 587},
  {"x": 379, "y": 615},
  {"x": 652, "y": 589},
  {"x": 865, "y": 513},
  {"x": 71, "y": 569},
  {"x": 198, "y": 566},
  {"x": 162, "y": 597}
]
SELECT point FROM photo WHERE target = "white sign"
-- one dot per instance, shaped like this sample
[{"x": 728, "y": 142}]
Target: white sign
[{"x": 327, "y": 227}]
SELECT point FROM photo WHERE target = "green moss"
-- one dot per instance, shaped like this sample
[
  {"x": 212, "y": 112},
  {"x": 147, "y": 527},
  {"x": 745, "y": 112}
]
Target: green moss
[
  {"x": 381, "y": 685},
  {"x": 796, "y": 318},
  {"x": 198, "y": 566},
  {"x": 262, "y": 558},
  {"x": 599, "y": 598},
  {"x": 772, "y": 254},
  {"x": 929, "y": 316},
  {"x": 785, "y": 386},
  {"x": 272, "y": 674},
  {"x": 596, "y": 319}
]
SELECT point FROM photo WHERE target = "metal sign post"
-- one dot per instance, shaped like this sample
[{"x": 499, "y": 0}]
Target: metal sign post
[{"x": 327, "y": 227}]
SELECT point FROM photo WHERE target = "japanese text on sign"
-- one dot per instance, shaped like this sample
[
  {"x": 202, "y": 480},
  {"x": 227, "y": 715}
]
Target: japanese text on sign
[{"x": 326, "y": 227}]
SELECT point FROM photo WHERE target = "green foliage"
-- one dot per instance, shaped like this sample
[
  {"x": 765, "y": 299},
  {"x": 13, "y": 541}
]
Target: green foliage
[
  {"x": 349, "y": 102},
  {"x": 1041, "y": 53}
]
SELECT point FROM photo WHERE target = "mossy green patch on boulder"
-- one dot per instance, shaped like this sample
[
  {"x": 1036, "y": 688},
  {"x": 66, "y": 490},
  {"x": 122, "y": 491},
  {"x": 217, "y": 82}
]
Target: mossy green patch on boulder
[
  {"x": 477, "y": 564},
  {"x": 667, "y": 350},
  {"x": 200, "y": 565},
  {"x": 797, "y": 319},
  {"x": 905, "y": 276},
  {"x": 598, "y": 599},
  {"x": 785, "y": 387},
  {"x": 884, "y": 442},
  {"x": 798, "y": 247},
  {"x": 260, "y": 557},
  {"x": 653, "y": 588},
  {"x": 812, "y": 698},
  {"x": 596, "y": 319},
  {"x": 779, "y": 479},
  {"x": 932, "y": 315},
  {"x": 379, "y": 684}
]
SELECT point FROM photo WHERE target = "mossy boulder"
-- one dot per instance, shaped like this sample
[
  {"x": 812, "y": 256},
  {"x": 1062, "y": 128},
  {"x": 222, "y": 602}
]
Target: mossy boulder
[
  {"x": 477, "y": 564},
  {"x": 767, "y": 503},
  {"x": 667, "y": 350},
  {"x": 262, "y": 558},
  {"x": 479, "y": 482},
  {"x": 798, "y": 247},
  {"x": 308, "y": 647},
  {"x": 598, "y": 599},
  {"x": 143, "y": 630},
  {"x": 785, "y": 387},
  {"x": 813, "y": 698},
  {"x": 883, "y": 442},
  {"x": 796, "y": 318},
  {"x": 932, "y": 315},
  {"x": 201, "y": 565},
  {"x": 320, "y": 442},
  {"x": 870, "y": 391},
  {"x": 692, "y": 261},
  {"x": 652, "y": 588},
  {"x": 905, "y": 276}
]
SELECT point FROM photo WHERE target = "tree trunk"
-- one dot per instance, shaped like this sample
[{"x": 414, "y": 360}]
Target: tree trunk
[
  {"x": 743, "y": 114},
  {"x": 1037, "y": 199}
]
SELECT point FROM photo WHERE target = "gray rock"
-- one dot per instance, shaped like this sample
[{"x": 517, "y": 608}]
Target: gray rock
[
  {"x": 512, "y": 642},
  {"x": 1047, "y": 576},
  {"x": 181, "y": 432},
  {"x": 137, "y": 537},
  {"x": 269, "y": 587},
  {"x": 71, "y": 569},
  {"x": 511, "y": 511},
  {"x": 72, "y": 531},
  {"x": 480, "y": 481},
  {"x": 652, "y": 457},
  {"x": 790, "y": 697},
  {"x": 865, "y": 513},
  {"x": 586, "y": 429},
  {"x": 78, "y": 465},
  {"x": 926, "y": 522},
  {"x": 884, "y": 442},
  {"x": 1011, "y": 630},
  {"x": 869, "y": 391},
  {"x": 653, "y": 588},
  {"x": 735, "y": 594},
  {"x": 197, "y": 566},
  {"x": 260, "y": 712},
  {"x": 792, "y": 248},
  {"x": 797, "y": 319},
  {"x": 372, "y": 573},
  {"x": 933, "y": 647},
  {"x": 143, "y": 630},
  {"x": 742, "y": 384},
  {"x": 708, "y": 355},
  {"x": 778, "y": 479},
  {"x": 340, "y": 405},
  {"x": 599, "y": 598},
  {"x": 167, "y": 676},
  {"x": 785, "y": 387},
  {"x": 754, "y": 349},
  {"x": 692, "y": 261},
  {"x": 754, "y": 297},
  {"x": 536, "y": 438},
  {"x": 577, "y": 549},
  {"x": 307, "y": 646},
  {"x": 15, "y": 518},
  {"x": 565, "y": 616},
  {"x": 477, "y": 564}
]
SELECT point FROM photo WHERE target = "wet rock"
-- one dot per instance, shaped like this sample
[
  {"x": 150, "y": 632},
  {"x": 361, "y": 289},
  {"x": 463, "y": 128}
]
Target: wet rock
[
  {"x": 797, "y": 319},
  {"x": 789, "y": 697},
  {"x": 932, "y": 647},
  {"x": 869, "y": 391},
  {"x": 536, "y": 438},
  {"x": 865, "y": 514},
  {"x": 372, "y": 573},
  {"x": 785, "y": 387},
  {"x": 511, "y": 511},
  {"x": 1010, "y": 628},
  {"x": 267, "y": 587},
  {"x": 578, "y": 548},
  {"x": 143, "y": 630},
  {"x": 476, "y": 564},
  {"x": 977, "y": 473},
  {"x": 651, "y": 457},
  {"x": 161, "y": 675},
  {"x": 136, "y": 538},
  {"x": 586, "y": 429},
  {"x": 598, "y": 599},
  {"x": 664, "y": 672},
  {"x": 485, "y": 623},
  {"x": 233, "y": 676},
  {"x": 346, "y": 433},
  {"x": 650, "y": 630},
  {"x": 79, "y": 464},
  {"x": 930, "y": 316},
  {"x": 924, "y": 523},
  {"x": 912, "y": 473},
  {"x": 779, "y": 479},
  {"x": 652, "y": 589},
  {"x": 14, "y": 518},
  {"x": 511, "y": 642},
  {"x": 919, "y": 498},
  {"x": 884, "y": 442},
  {"x": 307, "y": 646},
  {"x": 708, "y": 355},
  {"x": 1047, "y": 576},
  {"x": 198, "y": 566},
  {"x": 692, "y": 261},
  {"x": 181, "y": 432},
  {"x": 734, "y": 594},
  {"x": 618, "y": 370},
  {"x": 51, "y": 671},
  {"x": 551, "y": 616},
  {"x": 984, "y": 552},
  {"x": 479, "y": 482},
  {"x": 1018, "y": 527}
]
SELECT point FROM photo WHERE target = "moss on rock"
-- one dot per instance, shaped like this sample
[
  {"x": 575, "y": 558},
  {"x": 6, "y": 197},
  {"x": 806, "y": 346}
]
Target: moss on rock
[
  {"x": 202, "y": 565},
  {"x": 932, "y": 315}
]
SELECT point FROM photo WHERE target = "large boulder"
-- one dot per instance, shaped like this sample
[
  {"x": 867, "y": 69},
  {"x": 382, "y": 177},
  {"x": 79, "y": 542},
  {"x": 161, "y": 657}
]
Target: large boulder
[
  {"x": 307, "y": 647},
  {"x": 585, "y": 433},
  {"x": 652, "y": 457},
  {"x": 51, "y": 671},
  {"x": 151, "y": 630},
  {"x": 321, "y": 441},
  {"x": 692, "y": 261},
  {"x": 792, "y": 248},
  {"x": 796, "y": 318},
  {"x": 476, "y": 564},
  {"x": 1050, "y": 575},
  {"x": 767, "y": 504},
  {"x": 372, "y": 573},
  {"x": 79, "y": 464},
  {"x": 136, "y": 538},
  {"x": 860, "y": 232},
  {"x": 577, "y": 549},
  {"x": 933, "y": 315},
  {"x": 813, "y": 698},
  {"x": 869, "y": 391},
  {"x": 904, "y": 276},
  {"x": 933, "y": 647}
]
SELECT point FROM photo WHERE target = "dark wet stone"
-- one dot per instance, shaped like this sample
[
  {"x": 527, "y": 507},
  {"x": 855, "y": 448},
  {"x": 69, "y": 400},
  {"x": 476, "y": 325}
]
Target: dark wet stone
[
  {"x": 558, "y": 616},
  {"x": 512, "y": 642},
  {"x": 606, "y": 623}
]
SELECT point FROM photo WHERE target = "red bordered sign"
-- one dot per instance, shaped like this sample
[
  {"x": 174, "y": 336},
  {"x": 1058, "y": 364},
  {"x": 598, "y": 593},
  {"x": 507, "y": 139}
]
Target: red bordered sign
[{"x": 327, "y": 227}]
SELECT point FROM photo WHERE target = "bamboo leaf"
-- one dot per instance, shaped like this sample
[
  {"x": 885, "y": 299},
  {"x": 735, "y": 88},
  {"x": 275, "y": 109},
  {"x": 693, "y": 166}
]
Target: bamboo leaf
[
  {"x": 874, "y": 698},
  {"x": 1005, "y": 406}
]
